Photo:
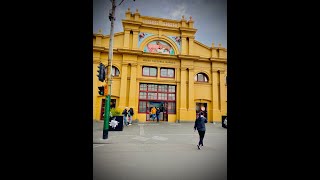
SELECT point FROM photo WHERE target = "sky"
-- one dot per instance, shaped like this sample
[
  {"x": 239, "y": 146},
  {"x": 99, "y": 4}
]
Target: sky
[{"x": 209, "y": 16}]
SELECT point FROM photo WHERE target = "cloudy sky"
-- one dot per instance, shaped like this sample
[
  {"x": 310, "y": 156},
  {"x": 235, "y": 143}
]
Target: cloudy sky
[{"x": 210, "y": 16}]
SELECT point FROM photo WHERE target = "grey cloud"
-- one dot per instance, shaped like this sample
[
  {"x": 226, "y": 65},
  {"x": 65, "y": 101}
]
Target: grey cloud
[{"x": 210, "y": 17}]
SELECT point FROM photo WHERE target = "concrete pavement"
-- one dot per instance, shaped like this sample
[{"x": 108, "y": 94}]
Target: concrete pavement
[{"x": 160, "y": 151}]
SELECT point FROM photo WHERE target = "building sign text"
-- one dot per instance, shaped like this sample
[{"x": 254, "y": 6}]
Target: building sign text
[
  {"x": 155, "y": 22},
  {"x": 159, "y": 61}
]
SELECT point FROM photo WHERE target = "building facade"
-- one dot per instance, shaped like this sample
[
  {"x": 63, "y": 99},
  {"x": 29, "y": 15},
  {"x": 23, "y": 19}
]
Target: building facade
[{"x": 158, "y": 63}]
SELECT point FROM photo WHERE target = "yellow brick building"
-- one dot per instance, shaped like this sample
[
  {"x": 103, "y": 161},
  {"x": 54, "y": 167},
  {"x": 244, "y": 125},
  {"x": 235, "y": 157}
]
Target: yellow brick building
[{"x": 157, "y": 62}]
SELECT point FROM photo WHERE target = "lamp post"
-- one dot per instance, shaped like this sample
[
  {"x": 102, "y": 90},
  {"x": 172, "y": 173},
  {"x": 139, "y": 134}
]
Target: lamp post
[
  {"x": 109, "y": 72},
  {"x": 109, "y": 77}
]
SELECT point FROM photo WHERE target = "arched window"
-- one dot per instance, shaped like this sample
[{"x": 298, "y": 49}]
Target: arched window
[
  {"x": 201, "y": 77},
  {"x": 115, "y": 71}
]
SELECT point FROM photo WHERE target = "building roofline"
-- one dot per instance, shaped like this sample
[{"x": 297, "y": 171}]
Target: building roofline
[
  {"x": 106, "y": 36},
  {"x": 203, "y": 45},
  {"x": 158, "y": 18}
]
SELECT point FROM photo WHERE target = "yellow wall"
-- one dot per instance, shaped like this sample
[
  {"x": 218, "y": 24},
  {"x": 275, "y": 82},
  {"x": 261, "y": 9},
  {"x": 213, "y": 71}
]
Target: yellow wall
[
  {"x": 200, "y": 50},
  {"x": 105, "y": 42},
  {"x": 118, "y": 41},
  {"x": 129, "y": 59},
  {"x": 202, "y": 91}
]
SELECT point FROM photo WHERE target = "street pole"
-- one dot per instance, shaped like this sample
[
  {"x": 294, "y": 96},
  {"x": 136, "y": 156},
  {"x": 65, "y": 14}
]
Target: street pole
[{"x": 109, "y": 78}]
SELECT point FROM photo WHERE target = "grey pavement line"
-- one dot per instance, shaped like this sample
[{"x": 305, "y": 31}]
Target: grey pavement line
[
  {"x": 160, "y": 138},
  {"x": 140, "y": 138},
  {"x": 148, "y": 124},
  {"x": 141, "y": 130},
  {"x": 98, "y": 145}
]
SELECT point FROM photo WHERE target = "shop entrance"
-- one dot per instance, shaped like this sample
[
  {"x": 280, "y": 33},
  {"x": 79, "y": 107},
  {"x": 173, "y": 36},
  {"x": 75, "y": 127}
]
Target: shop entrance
[{"x": 163, "y": 116}]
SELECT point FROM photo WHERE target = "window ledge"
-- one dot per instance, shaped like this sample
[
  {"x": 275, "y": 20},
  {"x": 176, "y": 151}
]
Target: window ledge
[{"x": 200, "y": 82}]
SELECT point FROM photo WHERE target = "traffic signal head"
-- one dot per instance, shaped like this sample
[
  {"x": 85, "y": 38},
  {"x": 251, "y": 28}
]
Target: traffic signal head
[
  {"x": 102, "y": 72},
  {"x": 101, "y": 90}
]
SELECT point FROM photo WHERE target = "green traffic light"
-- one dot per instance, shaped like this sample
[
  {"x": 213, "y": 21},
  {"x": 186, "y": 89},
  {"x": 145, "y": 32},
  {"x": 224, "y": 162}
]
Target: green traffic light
[{"x": 101, "y": 90}]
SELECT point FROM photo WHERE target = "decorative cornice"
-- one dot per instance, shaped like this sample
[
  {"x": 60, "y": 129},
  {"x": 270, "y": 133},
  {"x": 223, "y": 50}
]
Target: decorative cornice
[
  {"x": 187, "y": 29},
  {"x": 191, "y": 57},
  {"x": 222, "y": 48},
  {"x": 153, "y": 55},
  {"x": 97, "y": 35},
  {"x": 204, "y": 100},
  {"x": 160, "y": 27},
  {"x": 103, "y": 49},
  {"x": 145, "y": 54},
  {"x": 133, "y": 64},
  {"x": 224, "y": 60},
  {"x": 204, "y": 59},
  {"x": 115, "y": 34},
  {"x": 131, "y": 22},
  {"x": 203, "y": 83},
  {"x": 203, "y": 45},
  {"x": 98, "y": 48},
  {"x": 123, "y": 52},
  {"x": 129, "y": 51},
  {"x": 215, "y": 69}
]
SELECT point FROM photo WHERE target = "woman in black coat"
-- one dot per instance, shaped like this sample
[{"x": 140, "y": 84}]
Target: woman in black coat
[{"x": 201, "y": 127}]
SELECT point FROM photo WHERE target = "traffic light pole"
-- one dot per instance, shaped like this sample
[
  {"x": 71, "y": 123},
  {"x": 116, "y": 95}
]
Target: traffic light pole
[{"x": 109, "y": 78}]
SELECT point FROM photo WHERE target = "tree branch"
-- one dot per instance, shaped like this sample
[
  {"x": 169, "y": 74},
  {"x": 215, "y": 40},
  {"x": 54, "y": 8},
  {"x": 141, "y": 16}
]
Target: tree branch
[{"x": 121, "y": 2}]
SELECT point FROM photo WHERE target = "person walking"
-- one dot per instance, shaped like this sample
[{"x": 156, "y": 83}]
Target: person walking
[
  {"x": 130, "y": 115},
  {"x": 201, "y": 127},
  {"x": 153, "y": 113},
  {"x": 158, "y": 113},
  {"x": 125, "y": 113}
]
